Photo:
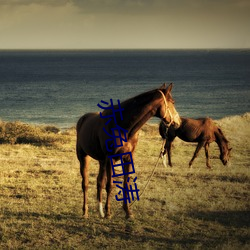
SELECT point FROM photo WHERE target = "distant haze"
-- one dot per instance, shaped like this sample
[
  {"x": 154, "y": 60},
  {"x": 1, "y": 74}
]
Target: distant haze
[{"x": 124, "y": 24}]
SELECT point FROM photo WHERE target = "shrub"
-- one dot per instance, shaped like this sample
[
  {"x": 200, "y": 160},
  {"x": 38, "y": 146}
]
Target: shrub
[
  {"x": 52, "y": 129},
  {"x": 21, "y": 133}
]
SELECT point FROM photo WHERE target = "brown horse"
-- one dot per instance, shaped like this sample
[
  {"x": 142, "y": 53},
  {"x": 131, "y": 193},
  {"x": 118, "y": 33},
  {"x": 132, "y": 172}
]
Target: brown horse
[
  {"x": 203, "y": 131},
  {"x": 91, "y": 139}
]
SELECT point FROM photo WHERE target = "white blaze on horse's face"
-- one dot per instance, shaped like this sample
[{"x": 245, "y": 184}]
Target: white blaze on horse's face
[
  {"x": 168, "y": 112},
  {"x": 176, "y": 120}
]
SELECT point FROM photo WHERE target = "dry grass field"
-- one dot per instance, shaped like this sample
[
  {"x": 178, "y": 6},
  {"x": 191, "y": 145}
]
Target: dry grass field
[{"x": 182, "y": 208}]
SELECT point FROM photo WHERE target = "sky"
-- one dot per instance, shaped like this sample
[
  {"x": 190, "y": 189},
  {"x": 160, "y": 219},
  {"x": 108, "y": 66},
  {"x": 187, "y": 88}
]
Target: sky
[{"x": 124, "y": 24}]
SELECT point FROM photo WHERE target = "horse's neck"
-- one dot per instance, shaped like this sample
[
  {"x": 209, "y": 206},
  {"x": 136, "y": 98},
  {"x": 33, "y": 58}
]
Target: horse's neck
[
  {"x": 138, "y": 123},
  {"x": 221, "y": 141},
  {"x": 137, "y": 113}
]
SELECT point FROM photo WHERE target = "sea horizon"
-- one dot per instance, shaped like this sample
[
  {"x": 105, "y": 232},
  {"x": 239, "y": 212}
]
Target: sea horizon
[{"x": 58, "y": 86}]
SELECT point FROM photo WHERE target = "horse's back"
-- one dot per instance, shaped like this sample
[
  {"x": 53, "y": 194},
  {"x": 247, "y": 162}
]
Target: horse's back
[
  {"x": 199, "y": 122},
  {"x": 195, "y": 130},
  {"x": 209, "y": 125}
]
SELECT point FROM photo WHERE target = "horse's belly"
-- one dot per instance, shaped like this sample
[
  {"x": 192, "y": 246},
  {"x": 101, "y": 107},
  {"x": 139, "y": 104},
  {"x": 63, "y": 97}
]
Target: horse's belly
[{"x": 92, "y": 148}]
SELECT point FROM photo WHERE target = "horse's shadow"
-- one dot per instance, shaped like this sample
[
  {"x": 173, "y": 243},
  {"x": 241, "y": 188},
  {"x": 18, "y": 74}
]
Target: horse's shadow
[
  {"x": 236, "y": 219},
  {"x": 94, "y": 229}
]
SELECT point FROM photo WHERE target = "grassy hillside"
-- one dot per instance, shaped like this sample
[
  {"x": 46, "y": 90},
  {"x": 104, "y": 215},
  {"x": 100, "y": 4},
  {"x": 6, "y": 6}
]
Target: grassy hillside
[{"x": 41, "y": 198}]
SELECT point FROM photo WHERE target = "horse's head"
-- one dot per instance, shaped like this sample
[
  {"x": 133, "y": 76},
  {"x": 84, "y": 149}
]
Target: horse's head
[
  {"x": 225, "y": 155},
  {"x": 167, "y": 111},
  {"x": 224, "y": 147}
]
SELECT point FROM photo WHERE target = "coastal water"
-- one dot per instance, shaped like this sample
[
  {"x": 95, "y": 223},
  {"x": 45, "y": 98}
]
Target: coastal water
[{"x": 57, "y": 87}]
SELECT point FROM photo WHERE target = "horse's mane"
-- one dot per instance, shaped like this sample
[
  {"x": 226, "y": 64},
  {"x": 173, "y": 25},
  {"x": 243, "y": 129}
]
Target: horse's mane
[
  {"x": 139, "y": 99},
  {"x": 225, "y": 139},
  {"x": 133, "y": 102},
  {"x": 143, "y": 97},
  {"x": 219, "y": 135}
]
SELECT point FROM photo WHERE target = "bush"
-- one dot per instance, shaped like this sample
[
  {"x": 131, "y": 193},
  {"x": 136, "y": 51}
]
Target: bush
[
  {"x": 52, "y": 129},
  {"x": 21, "y": 133}
]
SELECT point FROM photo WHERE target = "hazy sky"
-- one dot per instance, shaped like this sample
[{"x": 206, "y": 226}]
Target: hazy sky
[{"x": 98, "y": 24}]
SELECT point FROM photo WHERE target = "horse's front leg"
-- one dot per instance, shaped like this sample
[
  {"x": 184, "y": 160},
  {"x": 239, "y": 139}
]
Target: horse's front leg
[
  {"x": 109, "y": 185},
  {"x": 169, "y": 147},
  {"x": 207, "y": 155},
  {"x": 197, "y": 150},
  {"x": 126, "y": 184},
  {"x": 100, "y": 185},
  {"x": 163, "y": 153}
]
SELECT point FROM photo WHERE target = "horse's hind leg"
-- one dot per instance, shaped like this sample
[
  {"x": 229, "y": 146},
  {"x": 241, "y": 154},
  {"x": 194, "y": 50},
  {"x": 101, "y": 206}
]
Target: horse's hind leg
[
  {"x": 100, "y": 185},
  {"x": 109, "y": 185},
  {"x": 207, "y": 155},
  {"x": 84, "y": 170},
  {"x": 196, "y": 152}
]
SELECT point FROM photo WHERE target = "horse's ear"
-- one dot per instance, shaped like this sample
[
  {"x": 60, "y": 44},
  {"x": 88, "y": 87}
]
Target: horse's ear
[
  {"x": 169, "y": 88},
  {"x": 163, "y": 86}
]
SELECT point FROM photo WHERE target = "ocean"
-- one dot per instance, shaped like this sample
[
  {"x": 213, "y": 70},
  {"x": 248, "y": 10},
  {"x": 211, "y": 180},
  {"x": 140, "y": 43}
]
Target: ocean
[{"x": 57, "y": 87}]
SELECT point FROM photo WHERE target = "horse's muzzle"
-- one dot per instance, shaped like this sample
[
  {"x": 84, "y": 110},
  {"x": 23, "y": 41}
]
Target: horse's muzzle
[
  {"x": 176, "y": 125},
  {"x": 176, "y": 121}
]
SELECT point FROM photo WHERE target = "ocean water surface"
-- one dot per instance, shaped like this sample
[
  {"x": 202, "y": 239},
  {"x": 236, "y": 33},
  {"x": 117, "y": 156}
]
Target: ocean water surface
[{"x": 57, "y": 87}]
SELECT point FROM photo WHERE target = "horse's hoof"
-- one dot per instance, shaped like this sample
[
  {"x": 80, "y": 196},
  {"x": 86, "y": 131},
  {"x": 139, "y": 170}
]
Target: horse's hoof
[
  {"x": 164, "y": 161},
  {"x": 100, "y": 210},
  {"x": 108, "y": 216},
  {"x": 85, "y": 216},
  {"x": 130, "y": 217}
]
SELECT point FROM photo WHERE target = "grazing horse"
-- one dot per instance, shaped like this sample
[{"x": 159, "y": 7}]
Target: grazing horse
[
  {"x": 91, "y": 139},
  {"x": 203, "y": 131}
]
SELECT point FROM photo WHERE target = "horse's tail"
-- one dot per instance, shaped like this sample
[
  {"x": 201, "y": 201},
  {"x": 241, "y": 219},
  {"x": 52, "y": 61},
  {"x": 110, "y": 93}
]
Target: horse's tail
[
  {"x": 79, "y": 124},
  {"x": 163, "y": 130},
  {"x": 82, "y": 119}
]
